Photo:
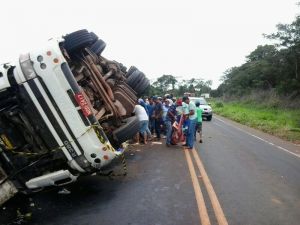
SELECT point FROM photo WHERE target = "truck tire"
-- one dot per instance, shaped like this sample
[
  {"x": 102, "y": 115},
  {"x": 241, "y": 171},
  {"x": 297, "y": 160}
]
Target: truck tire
[
  {"x": 98, "y": 47},
  {"x": 123, "y": 68},
  {"x": 209, "y": 118},
  {"x": 127, "y": 131},
  {"x": 133, "y": 78},
  {"x": 94, "y": 37},
  {"x": 77, "y": 40},
  {"x": 130, "y": 71},
  {"x": 142, "y": 87},
  {"x": 138, "y": 82}
]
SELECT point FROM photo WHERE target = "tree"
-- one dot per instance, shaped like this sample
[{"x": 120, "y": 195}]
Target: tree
[
  {"x": 268, "y": 66},
  {"x": 288, "y": 36},
  {"x": 167, "y": 81},
  {"x": 169, "y": 84}
]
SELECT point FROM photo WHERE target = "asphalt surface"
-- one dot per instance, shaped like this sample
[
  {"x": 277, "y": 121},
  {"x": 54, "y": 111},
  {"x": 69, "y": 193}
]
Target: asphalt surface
[{"x": 255, "y": 177}]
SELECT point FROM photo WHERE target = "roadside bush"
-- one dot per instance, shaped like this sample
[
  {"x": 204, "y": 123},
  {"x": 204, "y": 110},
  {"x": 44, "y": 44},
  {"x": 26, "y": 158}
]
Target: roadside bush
[
  {"x": 268, "y": 116},
  {"x": 219, "y": 105}
]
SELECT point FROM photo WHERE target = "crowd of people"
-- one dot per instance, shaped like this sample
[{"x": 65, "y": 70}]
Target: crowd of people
[{"x": 176, "y": 120}]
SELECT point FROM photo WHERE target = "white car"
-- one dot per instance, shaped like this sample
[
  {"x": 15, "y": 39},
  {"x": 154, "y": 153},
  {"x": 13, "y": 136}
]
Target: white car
[{"x": 207, "y": 110}]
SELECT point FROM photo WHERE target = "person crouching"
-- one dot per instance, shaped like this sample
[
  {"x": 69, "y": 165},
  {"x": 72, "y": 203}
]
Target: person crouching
[{"x": 140, "y": 112}]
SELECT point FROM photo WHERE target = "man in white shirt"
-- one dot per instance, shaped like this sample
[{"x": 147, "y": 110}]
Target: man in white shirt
[
  {"x": 140, "y": 112},
  {"x": 192, "y": 122}
]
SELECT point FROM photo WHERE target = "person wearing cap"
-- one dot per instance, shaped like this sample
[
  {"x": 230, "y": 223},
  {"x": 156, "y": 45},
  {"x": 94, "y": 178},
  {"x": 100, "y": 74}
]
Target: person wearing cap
[{"x": 170, "y": 119}]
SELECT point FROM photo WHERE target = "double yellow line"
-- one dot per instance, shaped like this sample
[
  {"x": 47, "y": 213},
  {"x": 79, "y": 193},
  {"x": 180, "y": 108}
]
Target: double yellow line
[{"x": 204, "y": 218}]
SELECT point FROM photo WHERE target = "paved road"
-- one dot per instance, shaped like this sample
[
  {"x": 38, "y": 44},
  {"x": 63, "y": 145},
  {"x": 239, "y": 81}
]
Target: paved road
[
  {"x": 237, "y": 176},
  {"x": 256, "y": 176}
]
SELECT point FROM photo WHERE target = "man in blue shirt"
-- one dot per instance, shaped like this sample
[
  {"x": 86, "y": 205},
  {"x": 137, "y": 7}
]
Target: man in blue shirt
[
  {"x": 142, "y": 103},
  {"x": 150, "y": 107},
  {"x": 170, "y": 119},
  {"x": 157, "y": 115}
]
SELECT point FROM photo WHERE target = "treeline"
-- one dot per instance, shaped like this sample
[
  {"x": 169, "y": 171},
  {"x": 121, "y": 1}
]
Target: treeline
[
  {"x": 270, "y": 67},
  {"x": 168, "y": 84}
]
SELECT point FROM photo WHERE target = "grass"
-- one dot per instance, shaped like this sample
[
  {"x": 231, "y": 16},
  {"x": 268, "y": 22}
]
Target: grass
[{"x": 281, "y": 122}]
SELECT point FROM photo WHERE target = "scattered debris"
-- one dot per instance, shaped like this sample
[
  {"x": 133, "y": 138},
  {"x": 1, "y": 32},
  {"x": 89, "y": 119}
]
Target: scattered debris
[
  {"x": 156, "y": 142},
  {"x": 64, "y": 191}
]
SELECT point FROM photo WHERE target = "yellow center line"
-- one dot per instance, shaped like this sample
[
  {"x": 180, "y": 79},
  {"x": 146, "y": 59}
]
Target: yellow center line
[
  {"x": 211, "y": 193},
  {"x": 199, "y": 197}
]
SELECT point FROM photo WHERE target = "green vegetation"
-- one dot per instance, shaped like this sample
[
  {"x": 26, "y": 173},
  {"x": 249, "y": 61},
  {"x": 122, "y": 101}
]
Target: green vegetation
[
  {"x": 264, "y": 92},
  {"x": 284, "y": 123},
  {"x": 268, "y": 67},
  {"x": 169, "y": 84}
]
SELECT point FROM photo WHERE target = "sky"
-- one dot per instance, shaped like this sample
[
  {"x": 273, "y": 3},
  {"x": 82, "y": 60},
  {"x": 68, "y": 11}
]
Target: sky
[{"x": 186, "y": 39}]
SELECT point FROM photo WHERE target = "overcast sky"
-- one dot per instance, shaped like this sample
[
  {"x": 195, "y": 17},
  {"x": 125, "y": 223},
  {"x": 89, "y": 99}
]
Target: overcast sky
[{"x": 188, "y": 39}]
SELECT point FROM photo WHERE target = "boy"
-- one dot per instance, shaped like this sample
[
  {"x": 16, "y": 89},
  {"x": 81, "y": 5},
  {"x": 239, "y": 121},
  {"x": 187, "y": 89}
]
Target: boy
[{"x": 199, "y": 121}]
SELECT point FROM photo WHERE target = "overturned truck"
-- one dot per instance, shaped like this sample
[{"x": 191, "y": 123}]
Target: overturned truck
[{"x": 65, "y": 111}]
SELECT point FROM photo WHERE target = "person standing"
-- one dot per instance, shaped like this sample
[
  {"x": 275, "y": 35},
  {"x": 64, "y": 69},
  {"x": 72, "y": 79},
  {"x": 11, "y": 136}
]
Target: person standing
[
  {"x": 185, "y": 117},
  {"x": 142, "y": 103},
  {"x": 150, "y": 107},
  {"x": 165, "y": 108},
  {"x": 192, "y": 123},
  {"x": 199, "y": 112},
  {"x": 157, "y": 115},
  {"x": 178, "y": 135},
  {"x": 170, "y": 119}
]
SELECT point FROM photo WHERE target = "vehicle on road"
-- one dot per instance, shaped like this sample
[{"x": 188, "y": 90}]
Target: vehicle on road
[
  {"x": 65, "y": 111},
  {"x": 207, "y": 110}
]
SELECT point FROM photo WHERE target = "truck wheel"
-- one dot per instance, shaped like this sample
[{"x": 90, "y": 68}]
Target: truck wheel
[
  {"x": 140, "y": 89},
  {"x": 94, "y": 37},
  {"x": 130, "y": 128},
  {"x": 98, "y": 47},
  {"x": 130, "y": 71},
  {"x": 137, "y": 82},
  {"x": 123, "y": 68},
  {"x": 209, "y": 118},
  {"x": 133, "y": 78},
  {"x": 77, "y": 40}
]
